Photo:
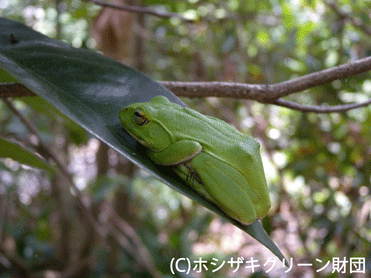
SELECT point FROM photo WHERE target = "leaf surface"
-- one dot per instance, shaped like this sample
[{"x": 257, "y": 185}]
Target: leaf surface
[{"x": 91, "y": 90}]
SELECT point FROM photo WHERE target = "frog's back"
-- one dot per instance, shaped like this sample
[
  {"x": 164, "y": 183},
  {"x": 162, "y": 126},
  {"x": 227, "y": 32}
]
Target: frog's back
[
  {"x": 211, "y": 126},
  {"x": 236, "y": 149},
  {"x": 216, "y": 136}
]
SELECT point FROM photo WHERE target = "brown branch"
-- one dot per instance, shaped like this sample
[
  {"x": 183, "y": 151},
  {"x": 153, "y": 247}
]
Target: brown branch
[
  {"x": 142, "y": 10},
  {"x": 267, "y": 93},
  {"x": 357, "y": 22},
  {"x": 86, "y": 211},
  {"x": 197, "y": 89},
  {"x": 259, "y": 92},
  {"x": 219, "y": 89}
]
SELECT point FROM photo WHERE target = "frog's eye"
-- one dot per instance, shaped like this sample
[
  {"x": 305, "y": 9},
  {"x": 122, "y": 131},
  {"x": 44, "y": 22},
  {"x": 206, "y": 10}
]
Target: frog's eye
[{"x": 139, "y": 117}]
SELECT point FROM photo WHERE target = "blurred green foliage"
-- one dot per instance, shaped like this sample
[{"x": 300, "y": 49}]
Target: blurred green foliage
[{"x": 318, "y": 165}]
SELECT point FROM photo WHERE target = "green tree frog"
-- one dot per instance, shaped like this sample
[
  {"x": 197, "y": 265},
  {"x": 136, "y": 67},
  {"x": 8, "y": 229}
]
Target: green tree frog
[{"x": 221, "y": 164}]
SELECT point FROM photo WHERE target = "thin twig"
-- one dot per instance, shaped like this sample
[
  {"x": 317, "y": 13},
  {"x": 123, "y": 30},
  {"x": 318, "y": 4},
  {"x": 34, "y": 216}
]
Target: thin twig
[
  {"x": 3, "y": 214},
  {"x": 143, "y": 256},
  {"x": 142, "y": 10},
  {"x": 320, "y": 109},
  {"x": 320, "y": 78},
  {"x": 17, "y": 263},
  {"x": 63, "y": 253},
  {"x": 86, "y": 211},
  {"x": 357, "y": 22},
  {"x": 77, "y": 267},
  {"x": 15, "y": 90}
]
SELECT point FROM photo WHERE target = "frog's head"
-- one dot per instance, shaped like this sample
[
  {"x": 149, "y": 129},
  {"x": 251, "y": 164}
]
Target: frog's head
[{"x": 145, "y": 122}]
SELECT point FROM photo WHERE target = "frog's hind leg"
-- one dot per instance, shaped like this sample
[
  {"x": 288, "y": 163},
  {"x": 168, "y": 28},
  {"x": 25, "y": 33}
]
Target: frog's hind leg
[
  {"x": 227, "y": 187},
  {"x": 193, "y": 180}
]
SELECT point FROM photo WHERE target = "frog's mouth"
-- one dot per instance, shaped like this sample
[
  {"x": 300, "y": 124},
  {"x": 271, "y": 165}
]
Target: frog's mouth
[{"x": 140, "y": 140}]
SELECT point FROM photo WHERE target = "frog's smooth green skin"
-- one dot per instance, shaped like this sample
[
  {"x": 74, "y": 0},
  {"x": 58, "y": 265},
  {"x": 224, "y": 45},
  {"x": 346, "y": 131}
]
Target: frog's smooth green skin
[{"x": 218, "y": 162}]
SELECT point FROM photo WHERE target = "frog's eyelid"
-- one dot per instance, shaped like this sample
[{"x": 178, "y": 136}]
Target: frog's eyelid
[{"x": 138, "y": 114}]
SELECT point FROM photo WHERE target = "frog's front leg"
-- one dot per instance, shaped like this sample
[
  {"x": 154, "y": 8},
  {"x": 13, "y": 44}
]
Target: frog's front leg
[
  {"x": 227, "y": 187},
  {"x": 177, "y": 153}
]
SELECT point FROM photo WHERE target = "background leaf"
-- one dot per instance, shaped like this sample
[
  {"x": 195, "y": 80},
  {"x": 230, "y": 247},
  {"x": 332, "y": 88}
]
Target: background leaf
[
  {"x": 91, "y": 89},
  {"x": 22, "y": 155}
]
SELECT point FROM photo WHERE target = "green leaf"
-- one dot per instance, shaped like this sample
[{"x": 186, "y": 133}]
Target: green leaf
[
  {"x": 22, "y": 155},
  {"x": 91, "y": 89},
  {"x": 6, "y": 77}
]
